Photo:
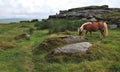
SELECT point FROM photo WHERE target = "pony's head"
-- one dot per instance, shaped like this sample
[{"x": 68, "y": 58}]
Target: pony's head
[{"x": 80, "y": 30}]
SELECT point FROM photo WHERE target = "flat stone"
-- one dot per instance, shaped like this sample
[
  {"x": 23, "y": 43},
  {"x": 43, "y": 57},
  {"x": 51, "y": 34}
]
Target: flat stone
[{"x": 73, "y": 48}]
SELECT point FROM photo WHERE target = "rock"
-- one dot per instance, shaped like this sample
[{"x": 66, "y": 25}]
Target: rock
[
  {"x": 93, "y": 19},
  {"x": 68, "y": 39},
  {"x": 22, "y": 36},
  {"x": 73, "y": 48},
  {"x": 90, "y": 13},
  {"x": 113, "y": 26},
  {"x": 27, "y": 37},
  {"x": 118, "y": 23},
  {"x": 56, "y": 41},
  {"x": 72, "y": 39},
  {"x": 84, "y": 19},
  {"x": 84, "y": 12},
  {"x": 89, "y": 7}
]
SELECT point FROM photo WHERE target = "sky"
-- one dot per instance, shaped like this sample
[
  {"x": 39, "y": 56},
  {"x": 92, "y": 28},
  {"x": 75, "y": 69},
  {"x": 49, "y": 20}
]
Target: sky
[{"x": 41, "y": 9}]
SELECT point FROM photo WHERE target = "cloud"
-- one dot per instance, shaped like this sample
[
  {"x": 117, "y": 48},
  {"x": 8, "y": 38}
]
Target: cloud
[{"x": 44, "y": 8}]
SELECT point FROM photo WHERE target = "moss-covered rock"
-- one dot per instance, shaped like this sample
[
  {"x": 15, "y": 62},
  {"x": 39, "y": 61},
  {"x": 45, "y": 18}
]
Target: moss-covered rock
[
  {"x": 95, "y": 52},
  {"x": 55, "y": 41}
]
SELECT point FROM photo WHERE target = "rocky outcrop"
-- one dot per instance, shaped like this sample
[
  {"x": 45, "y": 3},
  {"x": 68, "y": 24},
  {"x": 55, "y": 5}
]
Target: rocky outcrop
[
  {"x": 84, "y": 12},
  {"x": 90, "y": 13}
]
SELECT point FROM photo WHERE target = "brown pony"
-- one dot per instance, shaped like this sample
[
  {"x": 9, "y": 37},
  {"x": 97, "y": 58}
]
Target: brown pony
[{"x": 94, "y": 26}]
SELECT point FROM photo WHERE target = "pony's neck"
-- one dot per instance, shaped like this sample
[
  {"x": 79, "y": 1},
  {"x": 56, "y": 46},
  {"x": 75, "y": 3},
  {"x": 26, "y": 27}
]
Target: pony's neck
[{"x": 82, "y": 27}]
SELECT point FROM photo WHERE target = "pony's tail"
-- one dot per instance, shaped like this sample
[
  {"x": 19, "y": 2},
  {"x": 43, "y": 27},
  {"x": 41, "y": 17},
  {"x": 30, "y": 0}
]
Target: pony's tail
[{"x": 105, "y": 29}]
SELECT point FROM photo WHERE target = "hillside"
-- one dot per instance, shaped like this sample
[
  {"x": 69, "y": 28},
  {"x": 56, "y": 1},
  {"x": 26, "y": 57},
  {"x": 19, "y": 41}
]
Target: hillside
[
  {"x": 19, "y": 55},
  {"x": 42, "y": 46}
]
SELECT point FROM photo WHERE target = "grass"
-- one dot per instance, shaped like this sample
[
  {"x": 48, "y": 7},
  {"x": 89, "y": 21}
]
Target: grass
[
  {"x": 20, "y": 58},
  {"x": 105, "y": 55}
]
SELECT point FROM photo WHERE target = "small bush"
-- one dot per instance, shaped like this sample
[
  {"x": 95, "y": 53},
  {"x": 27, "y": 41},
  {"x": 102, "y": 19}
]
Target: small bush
[
  {"x": 63, "y": 25},
  {"x": 31, "y": 30},
  {"x": 42, "y": 25},
  {"x": 34, "y": 20}
]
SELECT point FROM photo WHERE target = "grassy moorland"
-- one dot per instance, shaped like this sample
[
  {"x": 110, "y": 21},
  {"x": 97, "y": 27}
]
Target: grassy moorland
[
  {"x": 18, "y": 56},
  {"x": 15, "y": 55}
]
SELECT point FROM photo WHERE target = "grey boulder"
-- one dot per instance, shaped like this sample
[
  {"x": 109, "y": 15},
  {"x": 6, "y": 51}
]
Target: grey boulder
[{"x": 73, "y": 48}]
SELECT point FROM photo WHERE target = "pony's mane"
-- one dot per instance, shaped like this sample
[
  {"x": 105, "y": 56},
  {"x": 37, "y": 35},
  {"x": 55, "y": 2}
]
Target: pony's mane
[{"x": 81, "y": 28}]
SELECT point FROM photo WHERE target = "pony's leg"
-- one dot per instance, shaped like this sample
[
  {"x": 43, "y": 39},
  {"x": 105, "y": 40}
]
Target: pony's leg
[
  {"x": 90, "y": 33},
  {"x": 102, "y": 33},
  {"x": 86, "y": 32}
]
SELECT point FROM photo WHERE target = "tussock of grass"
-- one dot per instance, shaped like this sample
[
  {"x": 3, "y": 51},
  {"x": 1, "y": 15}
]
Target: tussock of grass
[
  {"x": 6, "y": 46},
  {"x": 48, "y": 45}
]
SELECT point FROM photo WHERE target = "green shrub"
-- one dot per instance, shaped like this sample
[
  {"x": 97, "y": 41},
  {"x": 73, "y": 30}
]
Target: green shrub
[
  {"x": 63, "y": 25},
  {"x": 42, "y": 25},
  {"x": 59, "y": 25},
  {"x": 31, "y": 30},
  {"x": 34, "y": 20}
]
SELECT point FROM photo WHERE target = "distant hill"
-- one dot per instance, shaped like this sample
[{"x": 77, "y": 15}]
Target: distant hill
[{"x": 8, "y": 20}]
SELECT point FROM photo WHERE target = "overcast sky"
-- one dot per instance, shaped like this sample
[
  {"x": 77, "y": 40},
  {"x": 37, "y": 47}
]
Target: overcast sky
[{"x": 44, "y": 8}]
